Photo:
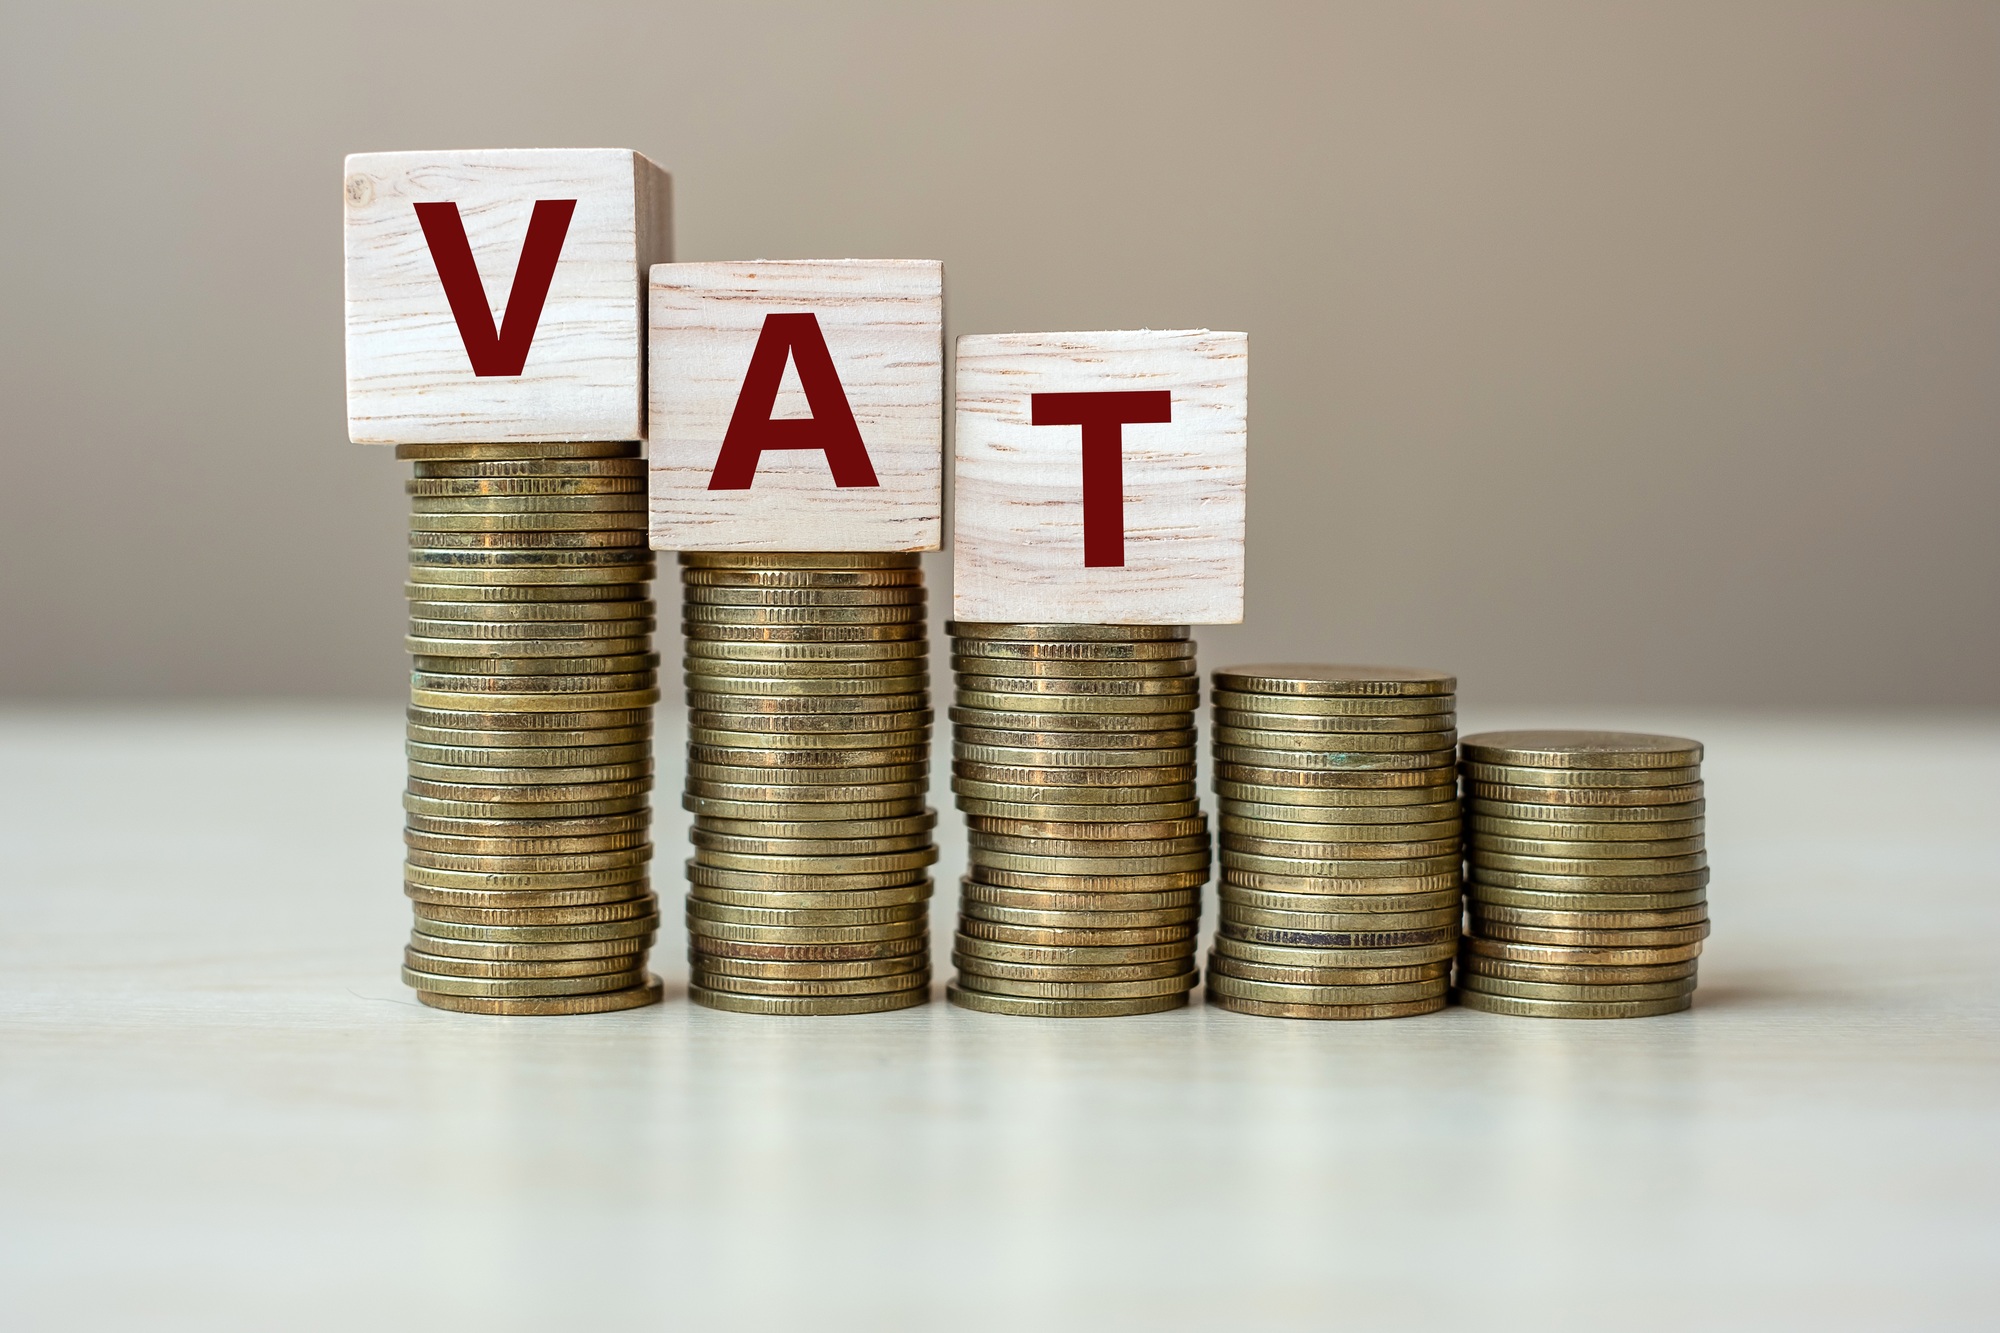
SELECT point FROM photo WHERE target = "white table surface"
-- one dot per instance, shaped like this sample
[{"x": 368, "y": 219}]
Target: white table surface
[{"x": 222, "y": 1110}]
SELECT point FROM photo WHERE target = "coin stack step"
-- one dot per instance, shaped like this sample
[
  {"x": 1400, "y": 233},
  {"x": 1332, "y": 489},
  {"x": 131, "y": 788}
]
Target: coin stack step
[
  {"x": 530, "y": 728},
  {"x": 1073, "y": 760},
  {"x": 1340, "y": 840},
  {"x": 1588, "y": 873},
  {"x": 809, "y": 731}
]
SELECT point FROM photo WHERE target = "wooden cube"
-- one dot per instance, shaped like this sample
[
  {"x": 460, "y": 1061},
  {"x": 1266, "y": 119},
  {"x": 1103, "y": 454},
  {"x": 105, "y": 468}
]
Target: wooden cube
[
  {"x": 499, "y": 294},
  {"x": 797, "y": 405},
  {"x": 1099, "y": 477}
]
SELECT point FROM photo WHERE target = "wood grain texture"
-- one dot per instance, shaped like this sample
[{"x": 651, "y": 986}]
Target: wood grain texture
[
  {"x": 1017, "y": 512},
  {"x": 409, "y": 379},
  {"x": 882, "y": 322}
]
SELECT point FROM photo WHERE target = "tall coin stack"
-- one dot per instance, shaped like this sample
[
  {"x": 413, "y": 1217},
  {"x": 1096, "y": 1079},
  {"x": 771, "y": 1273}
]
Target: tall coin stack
[
  {"x": 1340, "y": 891},
  {"x": 1074, "y": 762},
  {"x": 809, "y": 731},
  {"x": 530, "y": 728},
  {"x": 1588, "y": 874}
]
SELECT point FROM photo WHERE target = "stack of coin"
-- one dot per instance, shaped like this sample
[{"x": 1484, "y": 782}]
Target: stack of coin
[
  {"x": 1340, "y": 889},
  {"x": 1073, "y": 760},
  {"x": 1588, "y": 874},
  {"x": 809, "y": 731},
  {"x": 530, "y": 734}
]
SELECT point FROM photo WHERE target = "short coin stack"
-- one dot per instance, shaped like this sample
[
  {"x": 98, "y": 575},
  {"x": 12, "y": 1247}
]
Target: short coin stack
[
  {"x": 530, "y": 728},
  {"x": 809, "y": 731},
  {"x": 1588, "y": 873},
  {"x": 1340, "y": 891},
  {"x": 1074, "y": 762}
]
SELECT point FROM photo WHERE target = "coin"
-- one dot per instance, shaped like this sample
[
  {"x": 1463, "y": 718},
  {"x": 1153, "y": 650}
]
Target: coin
[
  {"x": 1050, "y": 704},
  {"x": 642, "y": 905},
  {"x": 1058, "y": 955},
  {"x": 1173, "y": 742},
  {"x": 1666, "y": 936},
  {"x": 528, "y": 951},
  {"x": 425, "y": 805},
  {"x": 1509, "y": 879},
  {"x": 914, "y": 948},
  {"x": 1576, "y": 955},
  {"x": 1275, "y": 706},
  {"x": 809, "y": 650},
  {"x": 717, "y": 965},
  {"x": 1337, "y": 939},
  {"x": 1046, "y": 900},
  {"x": 488, "y": 704},
  {"x": 988, "y": 967},
  {"x": 1032, "y": 633},
  {"x": 485, "y": 537},
  {"x": 1523, "y": 1008},
  {"x": 701, "y": 929},
  {"x": 1585, "y": 902},
  {"x": 1177, "y": 722},
  {"x": 1270, "y": 1009},
  {"x": 1318, "y": 679},
  {"x": 835, "y": 795},
  {"x": 904, "y": 774},
  {"x": 730, "y": 914},
  {"x": 1511, "y": 775},
  {"x": 1279, "y": 955},
  {"x": 704, "y": 614},
  {"x": 1620, "y": 866},
  {"x": 1159, "y": 650},
  {"x": 911, "y": 632},
  {"x": 909, "y": 577},
  {"x": 1123, "y": 848},
  {"x": 1549, "y": 990},
  {"x": 631, "y": 520},
  {"x": 977, "y": 669},
  {"x": 803, "y": 811},
  {"x": 1582, "y": 749},
  {"x": 1224, "y": 965},
  {"x": 1386, "y": 770},
  {"x": 902, "y": 759},
  {"x": 1244, "y": 831},
  {"x": 531, "y": 721},
  {"x": 974, "y": 909},
  {"x": 1164, "y": 882},
  {"x": 445, "y": 966},
  {"x": 554, "y": 934},
  {"x": 988, "y": 756},
  {"x": 989, "y": 984},
  {"x": 506, "y": 658},
  {"x": 918, "y": 892},
  {"x": 1337, "y": 884},
  {"x": 1265, "y": 747},
  {"x": 538, "y": 880},
  {"x": 1592, "y": 833},
  {"x": 620, "y": 508},
  {"x": 1013, "y": 934},
  {"x": 470, "y": 486},
  {"x": 603, "y": 1002},
  {"x": 763, "y": 560},
  {"x": 705, "y": 838},
  {"x": 1334, "y": 799},
  {"x": 579, "y": 897},
  {"x": 1080, "y": 798},
  {"x": 1301, "y": 849},
  {"x": 1154, "y": 830},
  {"x": 1052, "y": 813},
  {"x": 1339, "y": 868},
  {"x": 1242, "y": 762},
  {"x": 836, "y": 728},
  {"x": 1277, "y": 992},
  {"x": 801, "y": 987},
  {"x": 537, "y": 449},
  {"x": 1595, "y": 815},
  {"x": 531, "y": 467},
  {"x": 1123, "y": 779},
  {"x": 1564, "y": 800},
  {"x": 530, "y": 862},
  {"x": 1358, "y": 903},
  {"x": 519, "y": 986},
  {"x": 803, "y": 1005},
  {"x": 1575, "y": 974},
  {"x": 1337, "y": 921},
  {"x": 1286, "y": 728},
  {"x": 1027, "y": 1007}
]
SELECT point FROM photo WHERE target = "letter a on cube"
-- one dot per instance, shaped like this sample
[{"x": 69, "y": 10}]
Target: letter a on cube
[
  {"x": 1100, "y": 477},
  {"x": 500, "y": 294},
  {"x": 797, "y": 405}
]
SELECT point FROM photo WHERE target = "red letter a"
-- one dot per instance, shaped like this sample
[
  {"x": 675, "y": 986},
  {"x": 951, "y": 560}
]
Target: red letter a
[
  {"x": 1103, "y": 417},
  {"x": 830, "y": 428},
  {"x": 504, "y": 352}
]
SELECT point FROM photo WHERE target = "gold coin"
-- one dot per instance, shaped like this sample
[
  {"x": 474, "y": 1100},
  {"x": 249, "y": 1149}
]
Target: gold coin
[
  {"x": 1026, "y": 1007},
  {"x": 916, "y": 948},
  {"x": 473, "y": 793},
  {"x": 553, "y": 720},
  {"x": 988, "y": 984},
  {"x": 779, "y": 727},
  {"x": 1315, "y": 850},
  {"x": 620, "y": 508},
  {"x": 974, "y": 910},
  {"x": 1581, "y": 956},
  {"x": 540, "y": 881},
  {"x": 1342, "y": 681},
  {"x": 1520, "y": 1008},
  {"x": 583, "y": 897},
  {"x": 802, "y": 578},
  {"x": 523, "y": 617},
  {"x": 486, "y": 538},
  {"x": 1186, "y": 688},
  {"x": 1311, "y": 763},
  {"x": 881, "y": 863},
  {"x": 550, "y": 934},
  {"x": 1165, "y": 650},
  {"x": 509, "y": 657},
  {"x": 1023, "y": 775},
  {"x": 1357, "y": 904},
  {"x": 1353, "y": 823},
  {"x": 809, "y": 651},
  {"x": 905, "y": 772},
  {"x": 765, "y": 753},
  {"x": 730, "y": 914},
  {"x": 1190, "y": 844},
  {"x": 531, "y": 467},
  {"x": 487, "y": 705},
  {"x": 978, "y": 669},
  {"x": 1078, "y": 797},
  {"x": 698, "y": 613},
  {"x": 530, "y": 862},
  {"x": 735, "y": 931},
  {"x": 1177, "y": 740},
  {"x": 1585, "y": 902},
  {"x": 643, "y": 906},
  {"x": 911, "y": 632},
  {"x": 1591, "y": 833},
  {"x": 1620, "y": 866},
  {"x": 1194, "y": 826},
  {"x": 1279, "y": 992},
  {"x": 717, "y": 966},
  {"x": 521, "y": 449},
  {"x": 537, "y": 633},
  {"x": 1242, "y": 833},
  {"x": 1085, "y": 725},
  {"x": 1223, "y": 965},
  {"x": 1481, "y": 845},
  {"x": 442, "y": 965},
  {"x": 762, "y": 560},
  {"x": 901, "y": 595},
  {"x": 620, "y": 740},
  {"x": 1337, "y": 939},
  {"x": 1575, "y": 975},
  {"x": 469, "y": 590},
  {"x": 1164, "y": 882},
  {"x": 1340, "y": 867},
  {"x": 1336, "y": 922},
  {"x": 1285, "y": 729},
  {"x": 1043, "y": 900},
  {"x": 1268, "y": 1009},
  {"x": 1281, "y": 747},
  {"x": 722, "y": 877},
  {"x": 1281, "y": 955},
  {"x": 446, "y": 809},
  {"x": 471, "y": 486},
  {"x": 919, "y": 892},
  {"x": 986, "y": 756},
  {"x": 516, "y": 758},
  {"x": 1276, "y": 708},
  {"x": 431, "y": 580},
  {"x": 987, "y": 967},
  {"x": 843, "y": 795},
  {"x": 804, "y": 1005},
  {"x": 1655, "y": 802},
  {"x": 548, "y": 1005},
  {"x": 804, "y": 811},
  {"x": 910, "y": 738},
  {"x": 1582, "y": 749},
  {"x": 520, "y": 986},
  {"x": 1338, "y": 884},
  {"x": 529, "y": 952},
  {"x": 1508, "y": 775},
  {"x": 453, "y": 671},
  {"x": 1404, "y": 771},
  {"x": 629, "y": 563},
  {"x": 800, "y": 987},
  {"x": 1053, "y": 935},
  {"x": 1333, "y": 799},
  {"x": 1635, "y": 938},
  {"x": 1550, "y": 990},
  {"x": 1179, "y": 952},
  {"x": 1190, "y": 862},
  {"x": 1594, "y": 816},
  {"x": 1032, "y": 633},
  {"x": 633, "y": 826},
  {"x": 632, "y": 520},
  {"x": 540, "y": 777},
  {"x": 1038, "y": 812},
  {"x": 710, "y": 840},
  {"x": 1509, "y": 879},
  {"x": 1179, "y": 705}
]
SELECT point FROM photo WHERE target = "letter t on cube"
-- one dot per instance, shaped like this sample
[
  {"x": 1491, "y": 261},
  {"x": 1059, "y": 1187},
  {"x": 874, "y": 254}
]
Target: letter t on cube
[
  {"x": 1100, "y": 477},
  {"x": 499, "y": 294}
]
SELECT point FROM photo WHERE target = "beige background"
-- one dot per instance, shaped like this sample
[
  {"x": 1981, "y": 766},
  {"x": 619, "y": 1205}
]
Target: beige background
[{"x": 1603, "y": 352}]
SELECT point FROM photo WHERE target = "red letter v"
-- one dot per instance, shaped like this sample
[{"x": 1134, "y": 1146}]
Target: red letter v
[{"x": 505, "y": 352}]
